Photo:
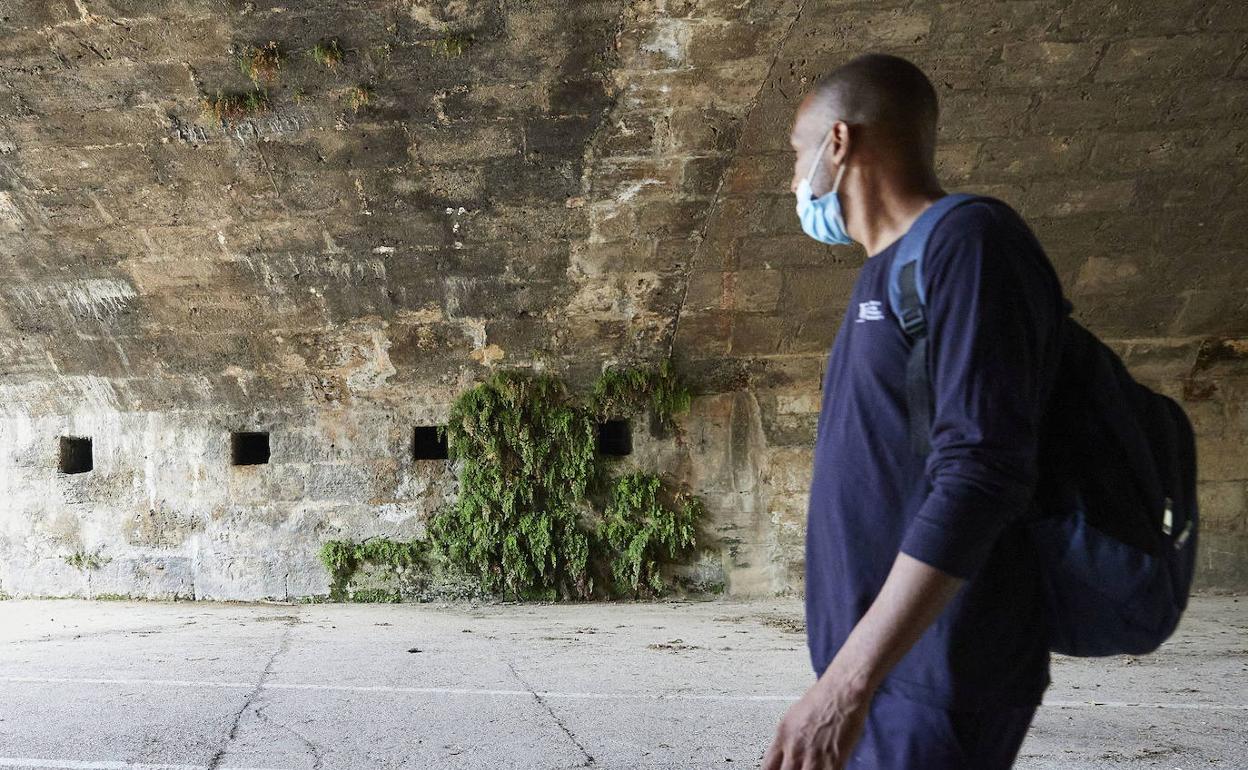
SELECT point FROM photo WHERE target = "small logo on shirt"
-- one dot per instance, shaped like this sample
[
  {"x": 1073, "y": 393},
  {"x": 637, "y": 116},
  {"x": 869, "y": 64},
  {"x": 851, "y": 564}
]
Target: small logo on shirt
[{"x": 870, "y": 311}]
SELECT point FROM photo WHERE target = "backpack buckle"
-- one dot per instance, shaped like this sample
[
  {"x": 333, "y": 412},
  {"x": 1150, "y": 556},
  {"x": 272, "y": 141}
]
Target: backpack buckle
[{"x": 913, "y": 323}]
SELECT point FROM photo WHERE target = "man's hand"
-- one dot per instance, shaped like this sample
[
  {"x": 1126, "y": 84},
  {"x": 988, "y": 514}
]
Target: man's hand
[{"x": 820, "y": 730}]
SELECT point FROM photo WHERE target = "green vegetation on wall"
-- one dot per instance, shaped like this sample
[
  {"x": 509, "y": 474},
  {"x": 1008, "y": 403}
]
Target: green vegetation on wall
[
  {"x": 454, "y": 45},
  {"x": 526, "y": 455},
  {"x": 359, "y": 97},
  {"x": 343, "y": 559},
  {"x": 645, "y": 525},
  {"x": 524, "y": 523},
  {"x": 266, "y": 63},
  {"x": 327, "y": 53},
  {"x": 86, "y": 561},
  {"x": 233, "y": 106},
  {"x": 628, "y": 392},
  {"x": 263, "y": 62}
]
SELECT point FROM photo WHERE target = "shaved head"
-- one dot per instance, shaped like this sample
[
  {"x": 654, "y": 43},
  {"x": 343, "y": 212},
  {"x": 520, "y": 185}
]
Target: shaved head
[{"x": 888, "y": 97}]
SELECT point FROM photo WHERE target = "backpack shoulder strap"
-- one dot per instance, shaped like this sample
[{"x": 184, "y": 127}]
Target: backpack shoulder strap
[
  {"x": 906, "y": 296},
  {"x": 907, "y": 300}
]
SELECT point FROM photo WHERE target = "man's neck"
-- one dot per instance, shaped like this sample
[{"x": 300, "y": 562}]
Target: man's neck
[{"x": 889, "y": 211}]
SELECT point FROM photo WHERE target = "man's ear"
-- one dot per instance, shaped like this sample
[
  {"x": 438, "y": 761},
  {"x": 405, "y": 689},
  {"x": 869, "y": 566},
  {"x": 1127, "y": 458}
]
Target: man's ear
[{"x": 841, "y": 139}]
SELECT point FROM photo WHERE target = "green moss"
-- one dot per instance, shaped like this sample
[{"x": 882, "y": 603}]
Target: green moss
[
  {"x": 112, "y": 598},
  {"x": 263, "y": 62},
  {"x": 327, "y": 53},
  {"x": 646, "y": 525},
  {"x": 454, "y": 45},
  {"x": 631, "y": 391},
  {"x": 231, "y": 107},
  {"x": 343, "y": 558},
  {"x": 374, "y": 596},
  {"x": 360, "y": 97},
  {"x": 86, "y": 561}
]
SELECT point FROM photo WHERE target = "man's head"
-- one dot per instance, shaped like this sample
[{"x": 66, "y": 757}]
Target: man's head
[{"x": 881, "y": 113}]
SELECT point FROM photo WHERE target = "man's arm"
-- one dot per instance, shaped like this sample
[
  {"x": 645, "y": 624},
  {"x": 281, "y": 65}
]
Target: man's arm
[
  {"x": 991, "y": 322},
  {"x": 821, "y": 729}
]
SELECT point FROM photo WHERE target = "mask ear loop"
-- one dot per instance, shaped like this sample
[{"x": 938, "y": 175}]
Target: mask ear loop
[
  {"x": 818, "y": 155},
  {"x": 840, "y": 172}
]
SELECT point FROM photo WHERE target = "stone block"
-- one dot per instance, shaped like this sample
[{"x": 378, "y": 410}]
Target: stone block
[
  {"x": 790, "y": 251},
  {"x": 870, "y": 27},
  {"x": 759, "y": 173},
  {"x": 1171, "y": 57},
  {"x": 705, "y": 130},
  {"x": 1222, "y": 458},
  {"x": 1044, "y": 63},
  {"x": 808, "y": 290},
  {"x": 704, "y": 335},
  {"x": 1092, "y": 107},
  {"x": 1061, "y": 197},
  {"x": 701, "y": 177},
  {"x": 367, "y": 483},
  {"x": 741, "y": 291},
  {"x": 671, "y": 218},
  {"x": 1031, "y": 156},
  {"x": 957, "y": 160},
  {"x": 1220, "y": 562},
  {"x": 1171, "y": 150},
  {"x": 760, "y": 335},
  {"x": 968, "y": 115},
  {"x": 35, "y": 14},
  {"x": 953, "y": 69},
  {"x": 958, "y": 25},
  {"x": 1117, "y": 19},
  {"x": 716, "y": 44},
  {"x": 788, "y": 470},
  {"x": 1214, "y": 311}
]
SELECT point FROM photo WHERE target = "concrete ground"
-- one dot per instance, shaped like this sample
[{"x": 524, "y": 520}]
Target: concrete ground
[{"x": 104, "y": 685}]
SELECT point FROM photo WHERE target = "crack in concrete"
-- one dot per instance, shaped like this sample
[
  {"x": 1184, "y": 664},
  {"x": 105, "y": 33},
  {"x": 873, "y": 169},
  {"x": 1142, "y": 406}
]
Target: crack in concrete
[
  {"x": 317, "y": 758},
  {"x": 252, "y": 695},
  {"x": 589, "y": 760}
]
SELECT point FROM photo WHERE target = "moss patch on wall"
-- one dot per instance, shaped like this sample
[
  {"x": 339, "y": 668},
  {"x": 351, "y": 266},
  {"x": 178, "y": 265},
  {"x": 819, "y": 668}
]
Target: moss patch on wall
[
  {"x": 344, "y": 559},
  {"x": 84, "y": 560},
  {"x": 262, "y": 62},
  {"x": 327, "y": 53},
  {"x": 233, "y": 106}
]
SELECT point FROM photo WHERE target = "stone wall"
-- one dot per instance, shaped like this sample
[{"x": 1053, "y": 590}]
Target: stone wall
[{"x": 555, "y": 185}]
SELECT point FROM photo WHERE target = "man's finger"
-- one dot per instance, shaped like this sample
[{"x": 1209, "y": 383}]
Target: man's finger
[
  {"x": 816, "y": 762},
  {"x": 792, "y": 760},
  {"x": 773, "y": 757}
]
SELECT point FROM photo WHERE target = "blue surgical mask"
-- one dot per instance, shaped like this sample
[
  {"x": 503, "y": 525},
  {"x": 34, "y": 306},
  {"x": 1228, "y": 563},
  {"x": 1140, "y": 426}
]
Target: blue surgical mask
[{"x": 821, "y": 217}]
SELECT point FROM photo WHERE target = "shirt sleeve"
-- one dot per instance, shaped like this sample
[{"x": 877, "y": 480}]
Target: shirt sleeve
[{"x": 990, "y": 318}]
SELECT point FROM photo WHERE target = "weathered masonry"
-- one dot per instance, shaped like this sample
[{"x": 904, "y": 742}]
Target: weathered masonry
[{"x": 236, "y": 285}]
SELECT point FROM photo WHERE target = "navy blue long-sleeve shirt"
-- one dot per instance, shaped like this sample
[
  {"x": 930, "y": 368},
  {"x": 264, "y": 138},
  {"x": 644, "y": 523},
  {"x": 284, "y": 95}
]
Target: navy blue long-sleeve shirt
[{"x": 994, "y": 306}]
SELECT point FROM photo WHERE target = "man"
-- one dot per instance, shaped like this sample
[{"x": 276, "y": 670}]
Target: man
[{"x": 923, "y": 609}]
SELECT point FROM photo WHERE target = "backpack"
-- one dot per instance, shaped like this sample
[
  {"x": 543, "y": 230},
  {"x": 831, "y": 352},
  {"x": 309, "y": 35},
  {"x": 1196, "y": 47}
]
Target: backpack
[{"x": 1115, "y": 514}]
